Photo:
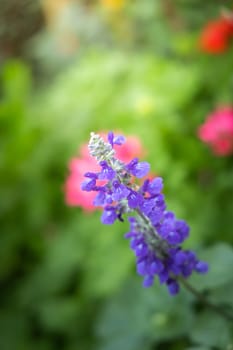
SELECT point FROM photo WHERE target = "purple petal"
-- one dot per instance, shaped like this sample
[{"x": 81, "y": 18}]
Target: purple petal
[
  {"x": 180, "y": 258},
  {"x": 163, "y": 276},
  {"x": 134, "y": 199},
  {"x": 119, "y": 140},
  {"x": 147, "y": 206},
  {"x": 119, "y": 191},
  {"x": 156, "y": 267},
  {"x": 107, "y": 173},
  {"x": 155, "y": 186},
  {"x": 202, "y": 267},
  {"x": 141, "y": 250},
  {"x": 91, "y": 175},
  {"x": 182, "y": 227},
  {"x": 142, "y": 268},
  {"x": 109, "y": 216},
  {"x": 129, "y": 235},
  {"x": 110, "y": 138},
  {"x": 99, "y": 199},
  {"x": 148, "y": 281},
  {"x": 145, "y": 185},
  {"x": 140, "y": 169},
  {"x": 173, "y": 287},
  {"x": 88, "y": 185},
  {"x": 173, "y": 238}
]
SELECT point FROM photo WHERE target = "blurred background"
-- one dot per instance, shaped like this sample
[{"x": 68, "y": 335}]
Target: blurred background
[{"x": 157, "y": 71}]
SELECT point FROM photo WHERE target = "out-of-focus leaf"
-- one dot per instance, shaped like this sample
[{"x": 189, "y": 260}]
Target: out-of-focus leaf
[
  {"x": 15, "y": 323},
  {"x": 136, "y": 316},
  {"x": 16, "y": 81},
  {"x": 198, "y": 348},
  {"x": 223, "y": 295},
  {"x": 220, "y": 260},
  {"x": 59, "y": 314},
  {"x": 211, "y": 330},
  {"x": 109, "y": 261}
]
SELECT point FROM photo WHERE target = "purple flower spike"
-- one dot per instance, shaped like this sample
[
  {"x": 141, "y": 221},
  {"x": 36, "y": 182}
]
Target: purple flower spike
[{"x": 155, "y": 234}]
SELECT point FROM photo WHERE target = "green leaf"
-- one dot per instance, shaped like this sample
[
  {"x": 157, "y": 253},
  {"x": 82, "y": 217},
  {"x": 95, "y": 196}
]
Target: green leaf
[
  {"x": 110, "y": 261},
  {"x": 137, "y": 317},
  {"x": 220, "y": 260},
  {"x": 16, "y": 80},
  {"x": 210, "y": 330},
  {"x": 198, "y": 348},
  {"x": 58, "y": 314},
  {"x": 13, "y": 329}
]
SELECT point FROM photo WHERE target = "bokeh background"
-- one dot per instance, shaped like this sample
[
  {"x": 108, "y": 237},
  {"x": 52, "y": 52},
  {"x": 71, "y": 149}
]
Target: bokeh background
[{"x": 70, "y": 67}]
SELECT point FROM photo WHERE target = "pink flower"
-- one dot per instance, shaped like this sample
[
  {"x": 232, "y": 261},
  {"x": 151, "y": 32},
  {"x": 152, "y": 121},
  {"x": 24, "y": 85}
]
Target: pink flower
[
  {"x": 217, "y": 131},
  {"x": 78, "y": 166}
]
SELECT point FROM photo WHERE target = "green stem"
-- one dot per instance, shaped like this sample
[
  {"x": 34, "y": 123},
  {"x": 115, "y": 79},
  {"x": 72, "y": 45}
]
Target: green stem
[{"x": 204, "y": 300}]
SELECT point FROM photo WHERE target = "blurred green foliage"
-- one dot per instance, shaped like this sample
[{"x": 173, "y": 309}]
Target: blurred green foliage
[{"x": 68, "y": 282}]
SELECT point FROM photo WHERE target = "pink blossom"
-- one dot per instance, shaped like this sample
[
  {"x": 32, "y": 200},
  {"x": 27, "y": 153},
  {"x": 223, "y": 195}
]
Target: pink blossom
[
  {"x": 217, "y": 131},
  {"x": 78, "y": 166}
]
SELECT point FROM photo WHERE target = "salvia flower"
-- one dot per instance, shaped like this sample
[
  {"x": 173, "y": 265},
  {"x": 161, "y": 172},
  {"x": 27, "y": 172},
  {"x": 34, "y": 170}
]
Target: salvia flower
[{"x": 155, "y": 234}]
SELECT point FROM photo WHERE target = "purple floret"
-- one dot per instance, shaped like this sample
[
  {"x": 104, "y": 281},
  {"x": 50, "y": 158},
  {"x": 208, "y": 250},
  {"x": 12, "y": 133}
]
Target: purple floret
[
  {"x": 119, "y": 191},
  {"x": 109, "y": 216},
  {"x": 138, "y": 169},
  {"x": 107, "y": 173},
  {"x": 88, "y": 185},
  {"x": 155, "y": 186}
]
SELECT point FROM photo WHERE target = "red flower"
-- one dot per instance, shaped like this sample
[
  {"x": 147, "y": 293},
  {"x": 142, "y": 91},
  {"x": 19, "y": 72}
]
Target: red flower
[{"x": 215, "y": 36}]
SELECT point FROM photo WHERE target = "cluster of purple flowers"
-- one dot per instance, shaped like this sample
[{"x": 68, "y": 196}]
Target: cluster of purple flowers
[{"x": 155, "y": 234}]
